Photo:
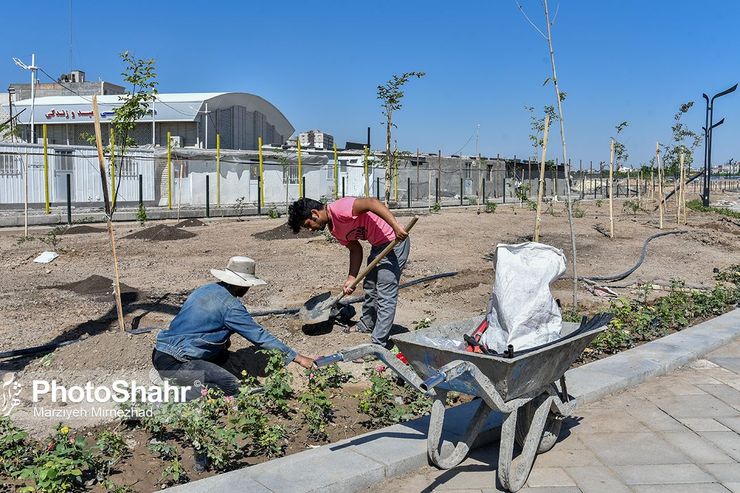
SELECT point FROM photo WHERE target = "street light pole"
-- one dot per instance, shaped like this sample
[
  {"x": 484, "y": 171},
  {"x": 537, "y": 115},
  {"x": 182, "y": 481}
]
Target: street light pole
[
  {"x": 33, "y": 69},
  {"x": 708, "y": 140}
]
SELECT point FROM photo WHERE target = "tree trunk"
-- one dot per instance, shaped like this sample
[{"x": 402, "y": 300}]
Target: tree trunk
[
  {"x": 388, "y": 163},
  {"x": 566, "y": 164}
]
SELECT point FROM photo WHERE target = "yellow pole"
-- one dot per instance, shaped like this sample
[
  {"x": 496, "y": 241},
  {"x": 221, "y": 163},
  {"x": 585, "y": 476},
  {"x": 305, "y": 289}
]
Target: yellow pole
[
  {"x": 169, "y": 171},
  {"x": 262, "y": 173},
  {"x": 112, "y": 168},
  {"x": 367, "y": 177},
  {"x": 336, "y": 173},
  {"x": 218, "y": 170},
  {"x": 46, "y": 172},
  {"x": 300, "y": 171}
]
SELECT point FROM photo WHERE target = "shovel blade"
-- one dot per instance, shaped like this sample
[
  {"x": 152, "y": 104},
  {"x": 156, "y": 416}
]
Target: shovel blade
[{"x": 317, "y": 309}]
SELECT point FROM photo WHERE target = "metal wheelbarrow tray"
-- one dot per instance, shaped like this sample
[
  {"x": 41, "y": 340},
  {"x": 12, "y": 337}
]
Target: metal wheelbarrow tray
[{"x": 522, "y": 388}]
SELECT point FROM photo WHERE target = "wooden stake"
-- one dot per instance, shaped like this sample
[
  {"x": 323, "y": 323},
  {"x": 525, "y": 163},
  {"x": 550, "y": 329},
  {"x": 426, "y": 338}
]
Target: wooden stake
[
  {"x": 660, "y": 182},
  {"x": 541, "y": 186},
  {"x": 611, "y": 188},
  {"x": 106, "y": 200},
  {"x": 682, "y": 191}
]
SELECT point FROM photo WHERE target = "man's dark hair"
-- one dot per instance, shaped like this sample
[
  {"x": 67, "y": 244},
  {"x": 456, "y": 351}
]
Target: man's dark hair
[{"x": 300, "y": 210}]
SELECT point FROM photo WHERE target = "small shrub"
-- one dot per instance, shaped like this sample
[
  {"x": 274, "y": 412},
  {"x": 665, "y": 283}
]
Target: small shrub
[
  {"x": 239, "y": 207},
  {"x": 174, "y": 473},
  {"x": 436, "y": 207},
  {"x": 491, "y": 207},
  {"x": 578, "y": 212},
  {"x": 599, "y": 202},
  {"x": 317, "y": 412},
  {"x": 423, "y": 323},
  {"x": 112, "y": 447},
  {"x": 632, "y": 206},
  {"x": 273, "y": 212},
  {"x": 696, "y": 205},
  {"x": 277, "y": 387},
  {"x": 16, "y": 450},
  {"x": 53, "y": 237},
  {"x": 141, "y": 214}
]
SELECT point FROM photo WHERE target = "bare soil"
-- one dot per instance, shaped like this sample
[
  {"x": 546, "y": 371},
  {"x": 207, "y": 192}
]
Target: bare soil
[
  {"x": 160, "y": 232},
  {"x": 161, "y": 275}
]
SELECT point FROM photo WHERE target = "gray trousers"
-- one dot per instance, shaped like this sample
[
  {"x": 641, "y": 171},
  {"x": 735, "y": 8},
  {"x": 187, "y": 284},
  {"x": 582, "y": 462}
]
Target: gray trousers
[{"x": 381, "y": 291}]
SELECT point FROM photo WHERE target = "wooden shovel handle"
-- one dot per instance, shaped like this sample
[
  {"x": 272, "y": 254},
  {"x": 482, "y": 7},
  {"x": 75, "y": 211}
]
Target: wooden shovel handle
[{"x": 381, "y": 255}]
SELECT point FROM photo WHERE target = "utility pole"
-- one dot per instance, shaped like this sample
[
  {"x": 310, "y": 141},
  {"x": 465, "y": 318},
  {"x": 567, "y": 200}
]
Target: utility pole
[
  {"x": 11, "y": 90},
  {"x": 33, "y": 69}
]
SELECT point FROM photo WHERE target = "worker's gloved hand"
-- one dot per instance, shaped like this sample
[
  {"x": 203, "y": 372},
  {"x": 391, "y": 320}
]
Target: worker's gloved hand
[
  {"x": 348, "y": 289},
  {"x": 304, "y": 361}
]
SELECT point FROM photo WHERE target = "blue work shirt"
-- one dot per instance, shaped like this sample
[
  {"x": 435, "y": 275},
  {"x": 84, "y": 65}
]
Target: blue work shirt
[{"x": 203, "y": 326}]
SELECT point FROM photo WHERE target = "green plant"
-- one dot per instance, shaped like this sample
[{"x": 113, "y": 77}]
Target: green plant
[
  {"x": 633, "y": 206},
  {"x": 174, "y": 473},
  {"x": 317, "y": 412},
  {"x": 53, "y": 236},
  {"x": 273, "y": 212},
  {"x": 578, "y": 212},
  {"x": 696, "y": 205},
  {"x": 113, "y": 487},
  {"x": 390, "y": 95},
  {"x": 436, "y": 207},
  {"x": 386, "y": 403},
  {"x": 239, "y": 207},
  {"x": 113, "y": 447},
  {"x": 61, "y": 466},
  {"x": 277, "y": 387},
  {"x": 141, "y": 214},
  {"x": 327, "y": 377},
  {"x": 16, "y": 450},
  {"x": 23, "y": 239},
  {"x": 599, "y": 202},
  {"x": 423, "y": 323},
  {"x": 490, "y": 207},
  {"x": 163, "y": 450},
  {"x": 473, "y": 200}
]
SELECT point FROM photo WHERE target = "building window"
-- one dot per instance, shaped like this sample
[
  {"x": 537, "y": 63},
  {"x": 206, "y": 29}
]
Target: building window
[
  {"x": 9, "y": 165},
  {"x": 290, "y": 174},
  {"x": 468, "y": 170}
]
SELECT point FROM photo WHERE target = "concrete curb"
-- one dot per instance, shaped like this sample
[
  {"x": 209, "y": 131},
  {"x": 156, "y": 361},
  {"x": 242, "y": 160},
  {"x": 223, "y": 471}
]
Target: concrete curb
[{"x": 357, "y": 463}]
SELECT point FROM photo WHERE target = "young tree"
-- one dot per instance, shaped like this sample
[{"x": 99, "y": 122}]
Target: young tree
[
  {"x": 559, "y": 98},
  {"x": 390, "y": 95},
  {"x": 683, "y": 140},
  {"x": 620, "y": 150},
  {"x": 135, "y": 104}
]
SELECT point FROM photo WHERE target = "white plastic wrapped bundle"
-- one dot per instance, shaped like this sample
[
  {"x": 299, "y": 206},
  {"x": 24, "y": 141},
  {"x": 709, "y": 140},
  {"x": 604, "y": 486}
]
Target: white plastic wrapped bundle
[{"x": 522, "y": 311}]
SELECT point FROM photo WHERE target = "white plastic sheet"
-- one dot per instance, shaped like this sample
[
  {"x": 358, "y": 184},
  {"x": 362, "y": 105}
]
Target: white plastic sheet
[{"x": 522, "y": 311}]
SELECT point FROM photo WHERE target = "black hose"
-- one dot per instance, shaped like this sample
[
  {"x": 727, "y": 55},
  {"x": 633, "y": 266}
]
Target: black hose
[{"x": 619, "y": 277}]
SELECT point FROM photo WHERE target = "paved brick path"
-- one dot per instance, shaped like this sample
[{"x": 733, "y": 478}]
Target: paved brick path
[{"x": 676, "y": 433}]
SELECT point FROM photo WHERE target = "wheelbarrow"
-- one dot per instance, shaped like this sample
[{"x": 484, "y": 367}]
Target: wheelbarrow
[{"x": 521, "y": 385}]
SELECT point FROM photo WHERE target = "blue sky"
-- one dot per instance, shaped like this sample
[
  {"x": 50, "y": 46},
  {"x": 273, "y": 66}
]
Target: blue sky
[{"x": 320, "y": 63}]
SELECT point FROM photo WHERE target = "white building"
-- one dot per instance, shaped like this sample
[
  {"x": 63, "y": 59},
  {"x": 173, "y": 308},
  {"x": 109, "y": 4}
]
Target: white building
[{"x": 316, "y": 139}]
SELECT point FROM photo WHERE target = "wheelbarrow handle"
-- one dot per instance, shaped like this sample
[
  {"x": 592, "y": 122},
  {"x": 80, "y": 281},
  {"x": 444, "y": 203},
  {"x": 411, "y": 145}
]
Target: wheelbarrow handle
[{"x": 328, "y": 360}]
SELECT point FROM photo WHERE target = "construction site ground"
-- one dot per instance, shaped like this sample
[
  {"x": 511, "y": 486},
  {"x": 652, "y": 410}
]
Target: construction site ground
[{"x": 48, "y": 303}]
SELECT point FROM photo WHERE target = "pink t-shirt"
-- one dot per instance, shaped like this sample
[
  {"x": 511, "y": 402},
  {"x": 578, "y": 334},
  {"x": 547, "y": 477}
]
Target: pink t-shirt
[{"x": 366, "y": 226}]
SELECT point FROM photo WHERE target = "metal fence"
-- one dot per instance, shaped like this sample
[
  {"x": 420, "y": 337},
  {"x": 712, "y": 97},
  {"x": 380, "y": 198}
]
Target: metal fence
[{"x": 257, "y": 181}]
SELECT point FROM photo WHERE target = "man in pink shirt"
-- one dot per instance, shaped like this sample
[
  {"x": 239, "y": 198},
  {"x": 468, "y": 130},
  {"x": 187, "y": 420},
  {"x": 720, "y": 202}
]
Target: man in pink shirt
[{"x": 350, "y": 220}]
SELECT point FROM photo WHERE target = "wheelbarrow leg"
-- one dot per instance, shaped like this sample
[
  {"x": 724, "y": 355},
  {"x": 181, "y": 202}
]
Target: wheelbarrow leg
[
  {"x": 436, "y": 424},
  {"x": 513, "y": 473}
]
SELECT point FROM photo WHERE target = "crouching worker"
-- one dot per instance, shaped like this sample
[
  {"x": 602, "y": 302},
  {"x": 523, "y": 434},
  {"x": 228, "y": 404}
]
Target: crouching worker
[
  {"x": 193, "y": 351},
  {"x": 350, "y": 220}
]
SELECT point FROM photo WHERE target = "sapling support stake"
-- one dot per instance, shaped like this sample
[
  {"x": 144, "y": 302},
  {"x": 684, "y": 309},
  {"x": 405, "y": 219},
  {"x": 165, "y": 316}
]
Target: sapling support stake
[
  {"x": 541, "y": 184},
  {"x": 108, "y": 214},
  {"x": 611, "y": 188},
  {"x": 661, "y": 207}
]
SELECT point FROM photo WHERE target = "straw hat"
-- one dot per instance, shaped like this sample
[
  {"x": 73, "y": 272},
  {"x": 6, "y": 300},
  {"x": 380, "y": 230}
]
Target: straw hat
[{"x": 239, "y": 272}]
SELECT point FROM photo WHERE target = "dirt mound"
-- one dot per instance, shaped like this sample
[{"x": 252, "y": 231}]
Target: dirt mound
[
  {"x": 283, "y": 232},
  {"x": 99, "y": 287},
  {"x": 82, "y": 229},
  {"x": 160, "y": 232},
  {"x": 190, "y": 223}
]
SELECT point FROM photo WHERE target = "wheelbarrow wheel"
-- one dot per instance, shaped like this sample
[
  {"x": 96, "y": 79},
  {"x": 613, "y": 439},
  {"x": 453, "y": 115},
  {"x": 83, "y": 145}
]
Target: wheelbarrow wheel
[{"x": 525, "y": 414}]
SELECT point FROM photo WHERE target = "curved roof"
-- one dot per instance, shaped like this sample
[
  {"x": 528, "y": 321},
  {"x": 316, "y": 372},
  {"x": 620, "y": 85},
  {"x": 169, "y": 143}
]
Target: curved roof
[{"x": 184, "y": 107}]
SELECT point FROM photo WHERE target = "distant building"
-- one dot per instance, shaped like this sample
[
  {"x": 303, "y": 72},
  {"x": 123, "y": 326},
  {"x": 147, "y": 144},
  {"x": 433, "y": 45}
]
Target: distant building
[
  {"x": 71, "y": 84},
  {"x": 316, "y": 139},
  {"x": 192, "y": 120}
]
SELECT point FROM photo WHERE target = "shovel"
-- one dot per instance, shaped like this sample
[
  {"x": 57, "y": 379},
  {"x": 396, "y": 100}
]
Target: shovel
[{"x": 319, "y": 308}]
